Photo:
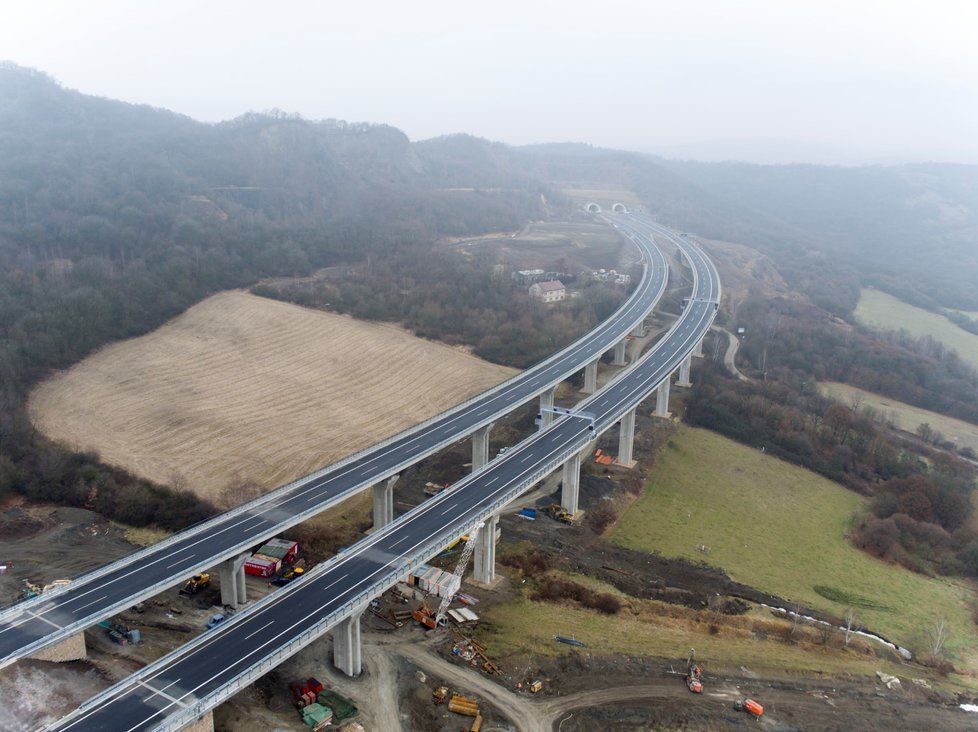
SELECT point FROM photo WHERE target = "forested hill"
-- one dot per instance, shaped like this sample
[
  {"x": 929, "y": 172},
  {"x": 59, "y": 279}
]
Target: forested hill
[{"x": 116, "y": 216}]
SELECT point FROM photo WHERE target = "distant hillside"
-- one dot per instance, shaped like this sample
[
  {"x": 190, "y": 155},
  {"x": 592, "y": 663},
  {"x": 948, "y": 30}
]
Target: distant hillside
[{"x": 910, "y": 229}]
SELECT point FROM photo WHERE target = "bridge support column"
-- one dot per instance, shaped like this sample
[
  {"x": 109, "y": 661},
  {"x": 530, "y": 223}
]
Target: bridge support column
[
  {"x": 234, "y": 592},
  {"x": 639, "y": 330},
  {"x": 484, "y": 570},
  {"x": 71, "y": 648},
  {"x": 570, "y": 484},
  {"x": 620, "y": 353},
  {"x": 480, "y": 447},
  {"x": 626, "y": 439},
  {"x": 384, "y": 502},
  {"x": 698, "y": 350},
  {"x": 662, "y": 398},
  {"x": 203, "y": 724},
  {"x": 346, "y": 646},
  {"x": 684, "y": 372},
  {"x": 591, "y": 377},
  {"x": 547, "y": 402}
]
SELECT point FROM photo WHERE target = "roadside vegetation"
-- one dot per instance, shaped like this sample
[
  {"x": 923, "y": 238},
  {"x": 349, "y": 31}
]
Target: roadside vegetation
[{"x": 784, "y": 530}]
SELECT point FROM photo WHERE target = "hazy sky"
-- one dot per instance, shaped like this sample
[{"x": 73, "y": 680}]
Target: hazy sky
[{"x": 827, "y": 81}]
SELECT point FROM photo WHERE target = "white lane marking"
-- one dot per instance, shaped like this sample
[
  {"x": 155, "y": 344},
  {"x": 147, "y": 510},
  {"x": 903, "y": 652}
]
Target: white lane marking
[
  {"x": 49, "y": 622},
  {"x": 284, "y": 596},
  {"x": 256, "y": 632},
  {"x": 448, "y": 509},
  {"x": 160, "y": 692},
  {"x": 321, "y": 482},
  {"x": 91, "y": 603}
]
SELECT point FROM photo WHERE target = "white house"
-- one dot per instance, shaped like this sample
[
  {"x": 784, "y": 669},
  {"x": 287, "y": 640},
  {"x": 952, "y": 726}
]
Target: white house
[{"x": 552, "y": 291}]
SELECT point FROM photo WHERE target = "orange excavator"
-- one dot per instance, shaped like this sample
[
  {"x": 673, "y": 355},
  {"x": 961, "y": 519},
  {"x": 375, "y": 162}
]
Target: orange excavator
[{"x": 694, "y": 674}]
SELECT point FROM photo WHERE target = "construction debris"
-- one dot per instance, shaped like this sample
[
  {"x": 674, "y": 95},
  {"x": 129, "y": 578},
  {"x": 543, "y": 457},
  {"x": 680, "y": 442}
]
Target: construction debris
[
  {"x": 890, "y": 682},
  {"x": 464, "y": 705},
  {"x": 474, "y": 653}
]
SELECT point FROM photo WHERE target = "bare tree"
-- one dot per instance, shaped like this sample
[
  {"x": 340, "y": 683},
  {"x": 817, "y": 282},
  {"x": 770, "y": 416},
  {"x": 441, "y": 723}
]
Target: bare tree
[
  {"x": 239, "y": 490},
  {"x": 850, "y": 621},
  {"x": 937, "y": 636}
]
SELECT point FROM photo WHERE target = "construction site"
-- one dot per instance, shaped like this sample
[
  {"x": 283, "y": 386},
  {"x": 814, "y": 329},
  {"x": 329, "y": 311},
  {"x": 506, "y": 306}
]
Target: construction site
[
  {"x": 438, "y": 655},
  {"x": 578, "y": 631}
]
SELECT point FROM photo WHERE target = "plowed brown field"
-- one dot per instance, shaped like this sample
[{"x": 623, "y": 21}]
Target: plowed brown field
[{"x": 243, "y": 389}]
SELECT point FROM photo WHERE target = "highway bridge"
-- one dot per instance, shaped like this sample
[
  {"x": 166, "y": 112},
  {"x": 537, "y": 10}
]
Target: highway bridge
[
  {"x": 224, "y": 541},
  {"x": 181, "y": 688}
]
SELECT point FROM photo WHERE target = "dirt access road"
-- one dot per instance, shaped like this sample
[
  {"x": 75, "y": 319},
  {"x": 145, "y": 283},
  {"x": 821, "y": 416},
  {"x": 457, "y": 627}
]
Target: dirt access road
[{"x": 642, "y": 701}]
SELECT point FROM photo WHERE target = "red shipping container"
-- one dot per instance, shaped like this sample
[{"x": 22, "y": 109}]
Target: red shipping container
[{"x": 260, "y": 566}]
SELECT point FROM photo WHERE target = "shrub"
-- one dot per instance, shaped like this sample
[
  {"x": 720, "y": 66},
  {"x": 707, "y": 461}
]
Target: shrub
[{"x": 553, "y": 589}]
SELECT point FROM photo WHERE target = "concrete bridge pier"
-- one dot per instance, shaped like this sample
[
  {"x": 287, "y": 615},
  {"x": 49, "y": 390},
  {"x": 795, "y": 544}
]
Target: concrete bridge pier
[
  {"x": 684, "y": 372},
  {"x": 480, "y": 447},
  {"x": 626, "y": 439},
  {"x": 234, "y": 592},
  {"x": 698, "y": 350},
  {"x": 570, "y": 484},
  {"x": 384, "y": 502},
  {"x": 346, "y": 646},
  {"x": 662, "y": 398},
  {"x": 639, "y": 330},
  {"x": 547, "y": 402},
  {"x": 484, "y": 570},
  {"x": 620, "y": 353},
  {"x": 591, "y": 377}
]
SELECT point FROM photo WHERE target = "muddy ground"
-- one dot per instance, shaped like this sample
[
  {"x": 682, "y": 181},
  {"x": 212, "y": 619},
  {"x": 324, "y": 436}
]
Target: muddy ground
[{"x": 43, "y": 543}]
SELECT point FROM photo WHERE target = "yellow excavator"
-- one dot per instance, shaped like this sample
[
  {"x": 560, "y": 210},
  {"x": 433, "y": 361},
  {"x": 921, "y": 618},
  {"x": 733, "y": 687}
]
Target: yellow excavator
[{"x": 196, "y": 583}]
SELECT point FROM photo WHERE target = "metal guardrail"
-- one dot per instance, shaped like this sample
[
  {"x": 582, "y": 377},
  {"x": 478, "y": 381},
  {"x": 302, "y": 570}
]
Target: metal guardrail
[
  {"x": 264, "y": 501},
  {"x": 235, "y": 684},
  {"x": 200, "y": 707},
  {"x": 231, "y": 687},
  {"x": 431, "y": 548}
]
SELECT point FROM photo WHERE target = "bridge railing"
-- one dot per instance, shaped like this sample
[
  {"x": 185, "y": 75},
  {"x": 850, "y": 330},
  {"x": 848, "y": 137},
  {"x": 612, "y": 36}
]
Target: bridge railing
[{"x": 264, "y": 501}]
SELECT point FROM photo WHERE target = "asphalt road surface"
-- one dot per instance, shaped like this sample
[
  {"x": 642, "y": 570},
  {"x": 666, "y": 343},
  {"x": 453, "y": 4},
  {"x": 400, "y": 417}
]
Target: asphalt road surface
[
  {"x": 27, "y": 627},
  {"x": 200, "y": 675}
]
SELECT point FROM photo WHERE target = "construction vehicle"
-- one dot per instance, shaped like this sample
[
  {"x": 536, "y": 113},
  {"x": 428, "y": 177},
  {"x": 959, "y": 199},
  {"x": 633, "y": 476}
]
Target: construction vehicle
[
  {"x": 196, "y": 583},
  {"x": 559, "y": 513},
  {"x": 440, "y": 695},
  {"x": 694, "y": 674},
  {"x": 288, "y": 575},
  {"x": 750, "y": 706},
  {"x": 423, "y": 614},
  {"x": 535, "y": 686},
  {"x": 121, "y": 633}
]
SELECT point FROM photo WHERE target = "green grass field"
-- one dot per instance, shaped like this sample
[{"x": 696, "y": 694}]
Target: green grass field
[
  {"x": 528, "y": 626},
  {"x": 879, "y": 310},
  {"x": 782, "y": 529},
  {"x": 904, "y": 416}
]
